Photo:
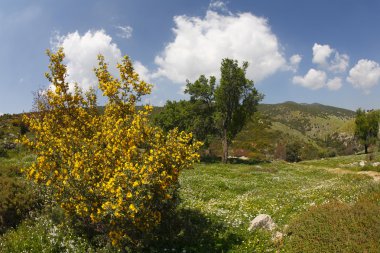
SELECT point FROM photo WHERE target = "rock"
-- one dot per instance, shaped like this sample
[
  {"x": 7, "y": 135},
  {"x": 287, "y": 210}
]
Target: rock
[
  {"x": 362, "y": 163},
  {"x": 262, "y": 221},
  {"x": 244, "y": 158},
  {"x": 375, "y": 164}
]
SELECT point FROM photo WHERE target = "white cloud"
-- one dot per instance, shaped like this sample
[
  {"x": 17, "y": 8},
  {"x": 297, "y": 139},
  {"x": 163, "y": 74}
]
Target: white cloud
[
  {"x": 217, "y": 5},
  {"x": 321, "y": 53},
  {"x": 364, "y": 75},
  {"x": 317, "y": 79},
  {"x": 294, "y": 62},
  {"x": 201, "y": 43},
  {"x": 125, "y": 32},
  {"x": 329, "y": 58},
  {"x": 340, "y": 63},
  {"x": 334, "y": 84},
  {"x": 81, "y": 55},
  {"x": 314, "y": 79},
  {"x": 143, "y": 71}
]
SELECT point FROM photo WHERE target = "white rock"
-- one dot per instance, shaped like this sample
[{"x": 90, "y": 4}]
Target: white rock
[
  {"x": 375, "y": 164},
  {"x": 262, "y": 221},
  {"x": 362, "y": 163}
]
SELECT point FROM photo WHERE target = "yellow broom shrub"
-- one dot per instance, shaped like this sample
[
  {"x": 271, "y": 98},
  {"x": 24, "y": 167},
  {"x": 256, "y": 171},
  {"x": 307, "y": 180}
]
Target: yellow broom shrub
[{"x": 111, "y": 169}]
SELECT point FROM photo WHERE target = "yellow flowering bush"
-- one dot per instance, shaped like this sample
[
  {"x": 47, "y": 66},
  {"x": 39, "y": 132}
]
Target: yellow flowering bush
[{"x": 113, "y": 169}]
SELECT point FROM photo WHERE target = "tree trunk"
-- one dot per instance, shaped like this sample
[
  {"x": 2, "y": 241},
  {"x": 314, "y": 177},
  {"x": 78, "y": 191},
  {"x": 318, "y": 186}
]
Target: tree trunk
[
  {"x": 225, "y": 146},
  {"x": 365, "y": 148}
]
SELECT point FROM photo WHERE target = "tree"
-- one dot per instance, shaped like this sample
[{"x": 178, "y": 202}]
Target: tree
[
  {"x": 236, "y": 99},
  {"x": 215, "y": 110},
  {"x": 112, "y": 170},
  {"x": 195, "y": 115},
  {"x": 366, "y": 127}
]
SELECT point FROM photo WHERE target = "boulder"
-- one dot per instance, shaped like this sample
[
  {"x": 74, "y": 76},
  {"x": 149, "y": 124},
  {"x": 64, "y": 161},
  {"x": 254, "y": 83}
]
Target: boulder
[
  {"x": 262, "y": 221},
  {"x": 362, "y": 163}
]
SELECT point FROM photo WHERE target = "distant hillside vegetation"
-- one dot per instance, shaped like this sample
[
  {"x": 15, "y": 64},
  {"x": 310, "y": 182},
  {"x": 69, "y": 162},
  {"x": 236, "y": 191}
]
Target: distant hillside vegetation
[{"x": 317, "y": 129}]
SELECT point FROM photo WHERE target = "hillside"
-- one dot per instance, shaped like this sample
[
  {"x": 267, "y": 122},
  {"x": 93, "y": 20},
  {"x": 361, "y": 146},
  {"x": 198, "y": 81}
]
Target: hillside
[{"x": 319, "y": 130}]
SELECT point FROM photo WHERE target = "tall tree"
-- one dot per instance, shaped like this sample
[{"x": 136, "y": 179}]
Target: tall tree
[
  {"x": 236, "y": 99},
  {"x": 194, "y": 116},
  {"x": 366, "y": 127},
  {"x": 212, "y": 109}
]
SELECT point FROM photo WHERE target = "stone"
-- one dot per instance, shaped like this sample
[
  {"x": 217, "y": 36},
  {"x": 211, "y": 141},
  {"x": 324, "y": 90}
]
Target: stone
[
  {"x": 375, "y": 164},
  {"x": 362, "y": 163},
  {"x": 262, "y": 221}
]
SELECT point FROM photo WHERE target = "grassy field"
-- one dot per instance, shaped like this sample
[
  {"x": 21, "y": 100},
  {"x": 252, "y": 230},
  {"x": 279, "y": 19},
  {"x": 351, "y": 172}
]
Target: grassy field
[
  {"x": 234, "y": 194},
  {"x": 320, "y": 204}
]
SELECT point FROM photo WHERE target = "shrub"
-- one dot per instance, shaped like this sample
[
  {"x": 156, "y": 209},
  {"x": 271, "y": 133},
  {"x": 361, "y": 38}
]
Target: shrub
[
  {"x": 113, "y": 171},
  {"x": 337, "y": 227},
  {"x": 17, "y": 198},
  {"x": 293, "y": 152},
  {"x": 42, "y": 235},
  {"x": 3, "y": 151}
]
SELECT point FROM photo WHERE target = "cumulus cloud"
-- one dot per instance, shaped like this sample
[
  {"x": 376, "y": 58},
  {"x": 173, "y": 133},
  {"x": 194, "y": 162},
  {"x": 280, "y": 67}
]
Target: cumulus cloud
[
  {"x": 329, "y": 58},
  {"x": 321, "y": 53},
  {"x": 124, "y": 32},
  {"x": 317, "y": 79},
  {"x": 81, "y": 55},
  {"x": 294, "y": 62},
  {"x": 334, "y": 84},
  {"x": 201, "y": 43},
  {"x": 364, "y": 75},
  {"x": 143, "y": 71},
  {"x": 314, "y": 79}
]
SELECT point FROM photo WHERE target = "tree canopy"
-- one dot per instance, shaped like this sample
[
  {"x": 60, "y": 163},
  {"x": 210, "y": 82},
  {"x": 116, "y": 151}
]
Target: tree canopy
[
  {"x": 214, "y": 110},
  {"x": 366, "y": 127}
]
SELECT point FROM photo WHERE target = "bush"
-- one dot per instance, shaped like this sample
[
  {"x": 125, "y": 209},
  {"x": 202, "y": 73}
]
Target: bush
[
  {"x": 337, "y": 227},
  {"x": 17, "y": 198},
  {"x": 42, "y": 235},
  {"x": 293, "y": 152},
  {"x": 113, "y": 171},
  {"x": 3, "y": 151}
]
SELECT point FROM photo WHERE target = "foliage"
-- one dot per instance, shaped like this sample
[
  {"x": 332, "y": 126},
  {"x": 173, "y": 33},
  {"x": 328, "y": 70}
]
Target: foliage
[
  {"x": 17, "y": 198},
  {"x": 366, "y": 127},
  {"x": 113, "y": 171},
  {"x": 236, "y": 100},
  {"x": 194, "y": 116},
  {"x": 337, "y": 227},
  {"x": 293, "y": 152},
  {"x": 42, "y": 235},
  {"x": 222, "y": 109}
]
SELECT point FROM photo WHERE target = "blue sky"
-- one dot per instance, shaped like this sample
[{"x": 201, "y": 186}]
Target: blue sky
[{"x": 305, "y": 51}]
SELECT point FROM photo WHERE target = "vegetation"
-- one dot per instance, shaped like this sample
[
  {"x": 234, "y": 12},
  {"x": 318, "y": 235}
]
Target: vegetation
[
  {"x": 113, "y": 172},
  {"x": 195, "y": 116},
  {"x": 104, "y": 179},
  {"x": 236, "y": 100},
  {"x": 217, "y": 203},
  {"x": 367, "y": 127},
  {"x": 223, "y": 110},
  {"x": 316, "y": 229},
  {"x": 321, "y": 131}
]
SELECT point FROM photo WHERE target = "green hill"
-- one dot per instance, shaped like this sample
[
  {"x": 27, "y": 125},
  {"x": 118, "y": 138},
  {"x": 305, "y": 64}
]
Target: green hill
[{"x": 319, "y": 130}]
